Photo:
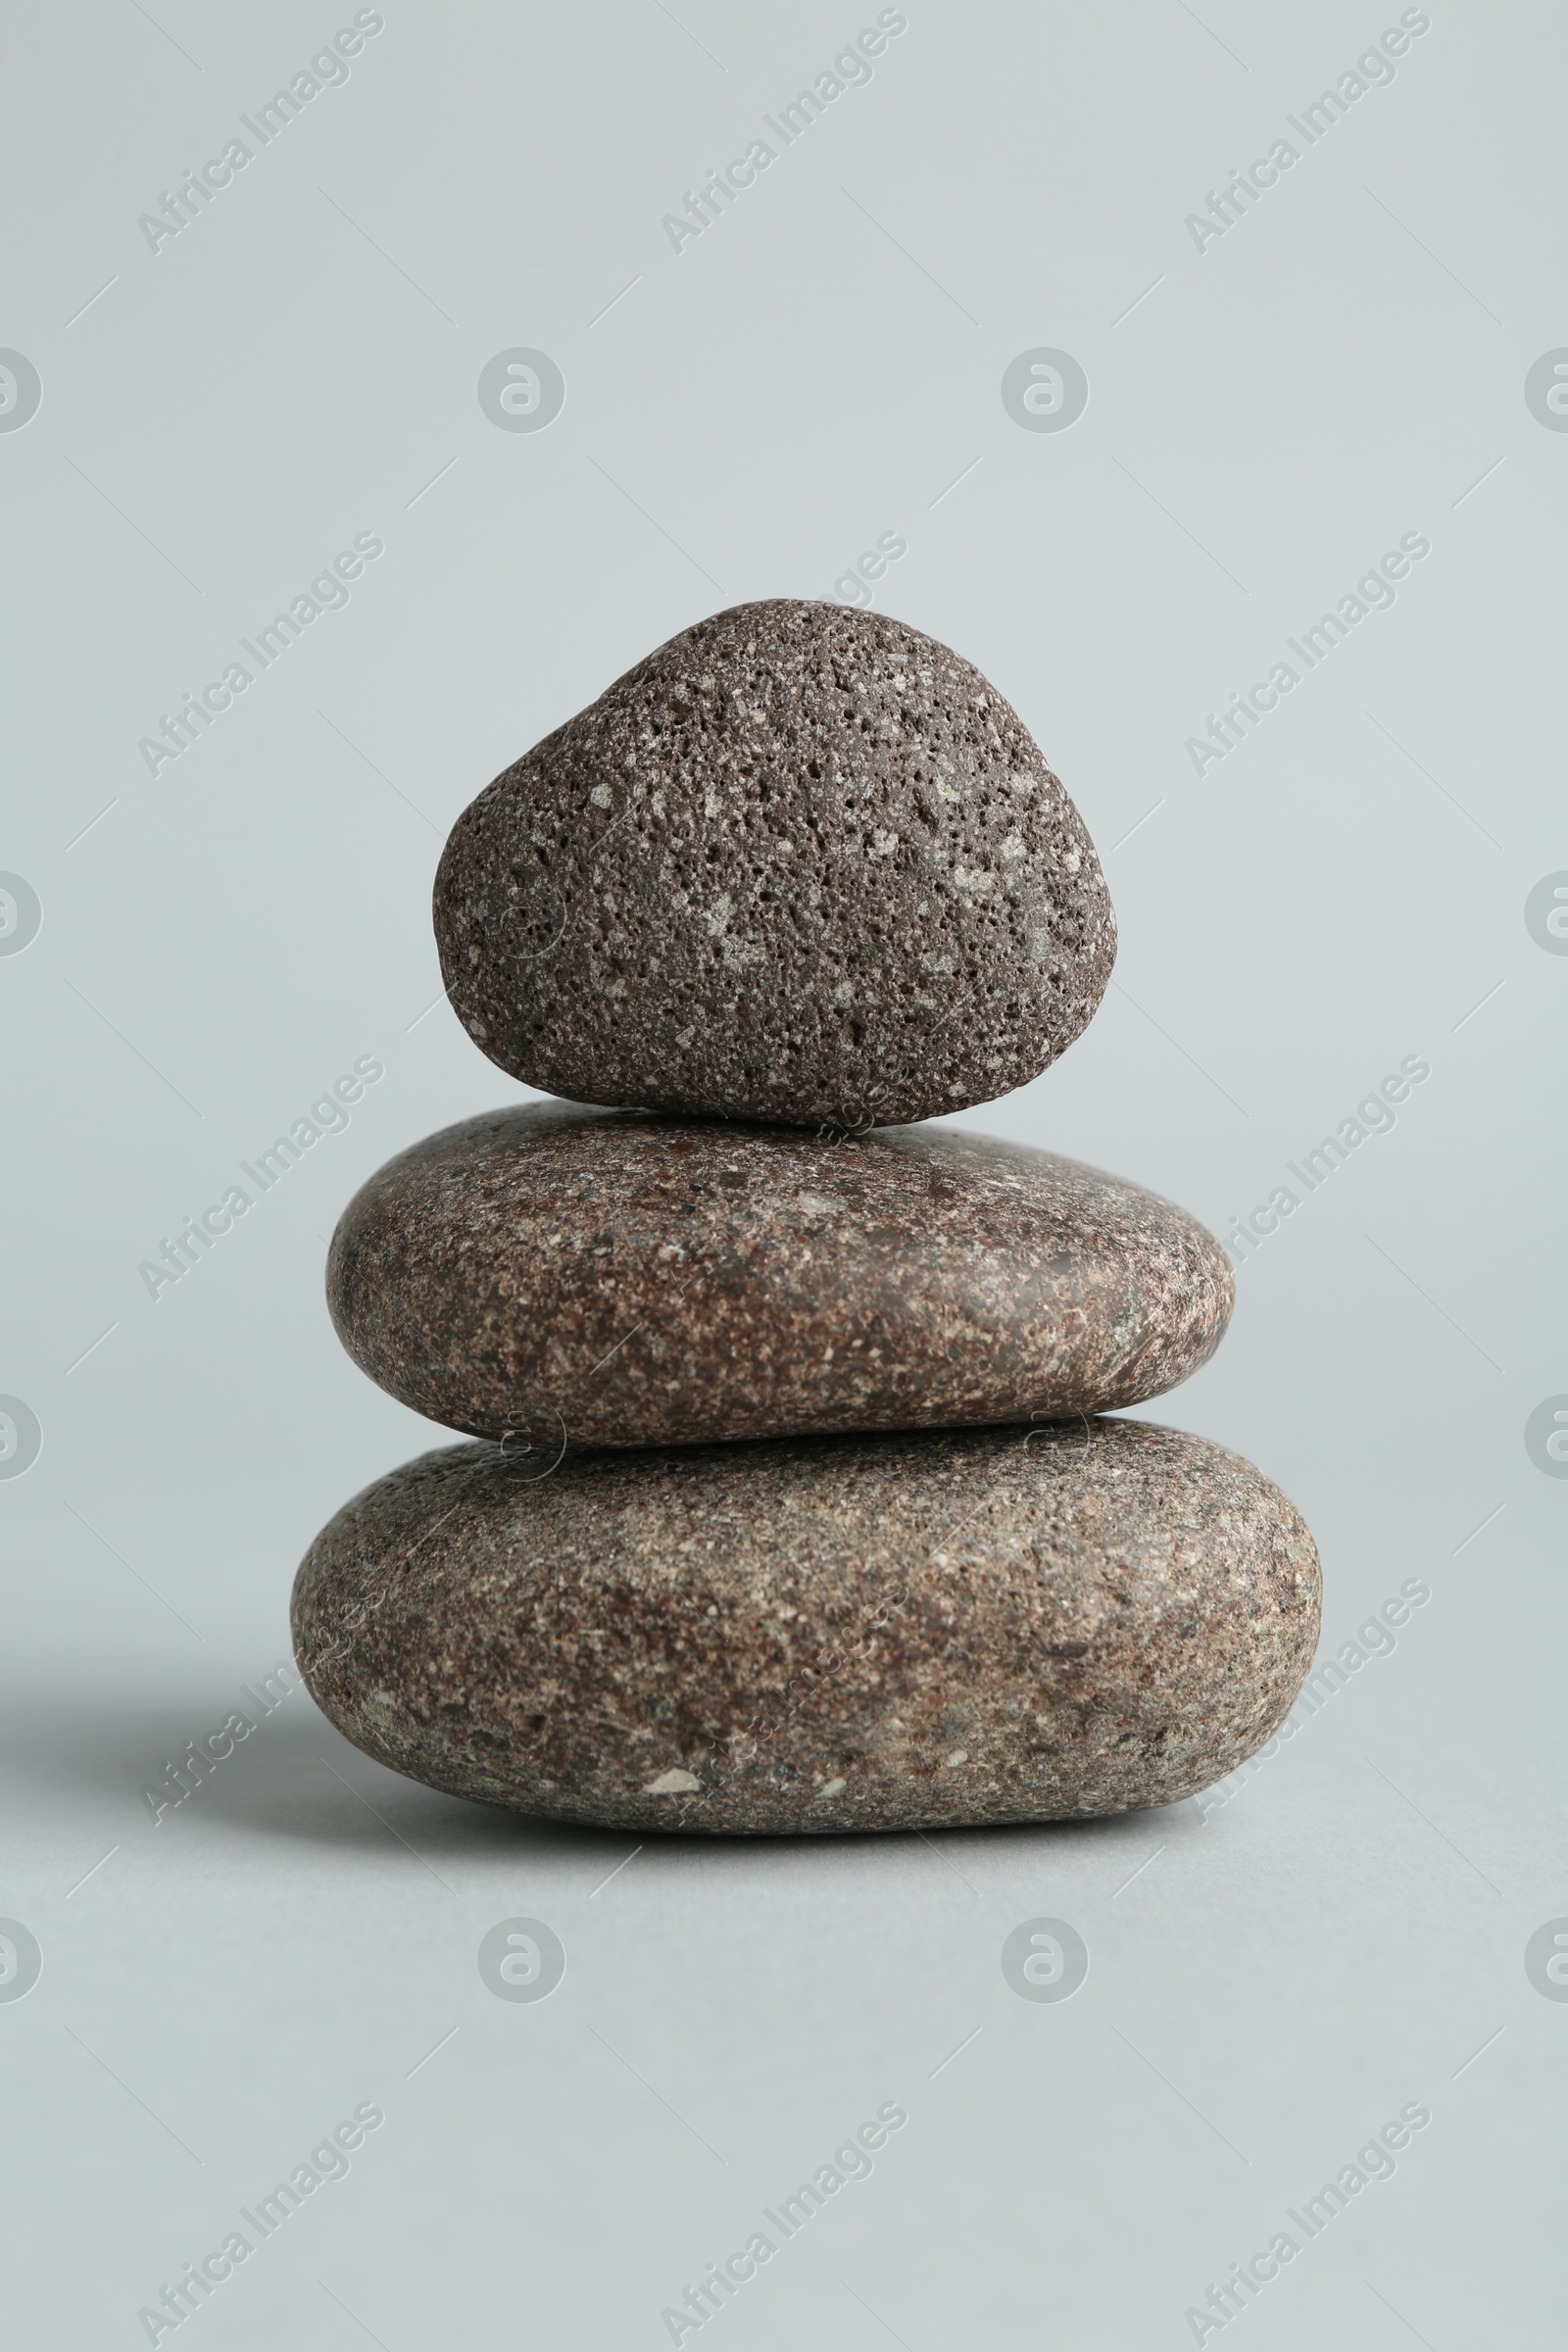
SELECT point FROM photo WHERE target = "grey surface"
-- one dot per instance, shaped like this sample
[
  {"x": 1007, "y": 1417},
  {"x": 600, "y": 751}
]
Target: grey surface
[{"x": 1346, "y": 1934}]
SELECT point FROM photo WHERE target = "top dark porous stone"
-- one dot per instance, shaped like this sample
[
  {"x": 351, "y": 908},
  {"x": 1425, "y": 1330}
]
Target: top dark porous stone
[{"x": 801, "y": 865}]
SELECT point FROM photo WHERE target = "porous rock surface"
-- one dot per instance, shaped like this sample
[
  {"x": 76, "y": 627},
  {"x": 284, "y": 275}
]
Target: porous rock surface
[
  {"x": 816, "y": 1633},
  {"x": 803, "y": 863},
  {"x": 583, "y": 1277}
]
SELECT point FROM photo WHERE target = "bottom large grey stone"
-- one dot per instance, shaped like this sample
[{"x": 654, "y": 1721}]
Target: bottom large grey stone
[{"x": 821, "y": 1634}]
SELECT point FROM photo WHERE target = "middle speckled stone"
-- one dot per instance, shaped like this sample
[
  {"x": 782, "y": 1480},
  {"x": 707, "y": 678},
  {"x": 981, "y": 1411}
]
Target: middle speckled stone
[{"x": 586, "y": 1278}]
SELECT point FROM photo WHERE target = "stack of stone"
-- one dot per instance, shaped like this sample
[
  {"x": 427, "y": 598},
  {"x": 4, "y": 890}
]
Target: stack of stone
[{"x": 789, "y": 1509}]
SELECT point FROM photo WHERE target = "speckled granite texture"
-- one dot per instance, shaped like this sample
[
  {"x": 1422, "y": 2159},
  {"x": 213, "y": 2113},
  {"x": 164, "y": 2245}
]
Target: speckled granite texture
[
  {"x": 816, "y": 1633},
  {"x": 802, "y": 863},
  {"x": 607, "y": 1279}
]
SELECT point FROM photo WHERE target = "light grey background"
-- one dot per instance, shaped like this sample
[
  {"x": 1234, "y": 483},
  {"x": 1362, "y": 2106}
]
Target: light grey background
[{"x": 1265, "y": 418}]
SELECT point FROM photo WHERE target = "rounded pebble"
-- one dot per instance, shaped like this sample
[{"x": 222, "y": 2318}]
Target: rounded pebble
[
  {"x": 600, "y": 1279},
  {"x": 802, "y": 863},
  {"x": 826, "y": 1634}
]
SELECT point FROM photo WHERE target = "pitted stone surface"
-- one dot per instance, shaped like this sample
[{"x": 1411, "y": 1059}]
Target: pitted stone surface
[
  {"x": 614, "y": 1279},
  {"x": 821, "y": 1634},
  {"x": 802, "y": 863}
]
